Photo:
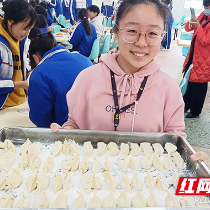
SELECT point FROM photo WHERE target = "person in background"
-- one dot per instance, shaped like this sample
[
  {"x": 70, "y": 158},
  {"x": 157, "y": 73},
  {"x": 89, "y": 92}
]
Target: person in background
[
  {"x": 108, "y": 91},
  {"x": 79, "y": 5},
  {"x": 32, "y": 3},
  {"x": 42, "y": 24},
  {"x": 34, "y": 33},
  {"x": 69, "y": 10},
  {"x": 19, "y": 18},
  {"x": 55, "y": 70},
  {"x": 107, "y": 7},
  {"x": 83, "y": 34},
  {"x": 96, "y": 20},
  {"x": 50, "y": 19},
  {"x": 166, "y": 43},
  {"x": 198, "y": 56},
  {"x": 57, "y": 5}
]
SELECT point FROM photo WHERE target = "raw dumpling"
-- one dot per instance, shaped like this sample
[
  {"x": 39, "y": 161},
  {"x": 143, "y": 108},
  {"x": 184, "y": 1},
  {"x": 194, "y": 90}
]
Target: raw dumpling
[
  {"x": 178, "y": 160},
  {"x": 41, "y": 201},
  {"x": 109, "y": 201},
  {"x": 83, "y": 167},
  {"x": 108, "y": 164},
  {"x": 113, "y": 149},
  {"x": 88, "y": 149},
  {"x": 75, "y": 149},
  {"x": 57, "y": 182},
  {"x": 139, "y": 200},
  {"x": 15, "y": 179},
  {"x": 157, "y": 163},
  {"x": 146, "y": 161},
  {"x": 135, "y": 149},
  {"x": 167, "y": 163},
  {"x": 22, "y": 202},
  {"x": 61, "y": 201},
  {"x": 101, "y": 149},
  {"x": 111, "y": 183},
  {"x": 96, "y": 165},
  {"x": 125, "y": 183},
  {"x": 146, "y": 147},
  {"x": 151, "y": 200},
  {"x": 170, "y": 148},
  {"x": 86, "y": 182},
  {"x": 186, "y": 202},
  {"x": 162, "y": 183},
  {"x": 201, "y": 201},
  {"x": 7, "y": 201},
  {"x": 66, "y": 148},
  {"x": 35, "y": 162},
  {"x": 43, "y": 181},
  {"x": 9, "y": 146},
  {"x": 122, "y": 162},
  {"x": 123, "y": 200},
  {"x": 148, "y": 181},
  {"x": 136, "y": 183},
  {"x": 56, "y": 148},
  {"x": 175, "y": 179},
  {"x": 95, "y": 202},
  {"x": 24, "y": 160},
  {"x": 70, "y": 164},
  {"x": 25, "y": 146},
  {"x": 124, "y": 149},
  {"x": 7, "y": 160},
  {"x": 49, "y": 164},
  {"x": 2, "y": 180},
  {"x": 158, "y": 148},
  {"x": 132, "y": 164},
  {"x": 79, "y": 202},
  {"x": 171, "y": 200},
  {"x": 31, "y": 183},
  {"x": 67, "y": 182},
  {"x": 33, "y": 148},
  {"x": 96, "y": 183}
]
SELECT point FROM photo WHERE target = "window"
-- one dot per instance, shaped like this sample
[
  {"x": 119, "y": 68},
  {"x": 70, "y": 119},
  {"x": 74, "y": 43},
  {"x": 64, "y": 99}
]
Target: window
[{"x": 196, "y": 4}]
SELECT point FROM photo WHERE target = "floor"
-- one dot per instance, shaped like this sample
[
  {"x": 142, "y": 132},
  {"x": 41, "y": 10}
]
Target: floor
[{"x": 197, "y": 130}]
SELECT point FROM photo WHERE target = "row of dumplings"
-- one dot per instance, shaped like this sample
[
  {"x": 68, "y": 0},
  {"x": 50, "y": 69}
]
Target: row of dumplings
[
  {"x": 109, "y": 201},
  {"x": 91, "y": 181}
]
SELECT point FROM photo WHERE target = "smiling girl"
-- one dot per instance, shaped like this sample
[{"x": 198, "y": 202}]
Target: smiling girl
[
  {"x": 128, "y": 86},
  {"x": 18, "y": 20}
]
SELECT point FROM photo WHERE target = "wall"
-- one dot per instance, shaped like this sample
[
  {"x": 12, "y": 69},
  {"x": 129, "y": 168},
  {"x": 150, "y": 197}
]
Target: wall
[{"x": 179, "y": 10}]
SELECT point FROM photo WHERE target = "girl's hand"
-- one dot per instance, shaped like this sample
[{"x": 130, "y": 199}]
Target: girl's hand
[
  {"x": 55, "y": 127},
  {"x": 50, "y": 28},
  {"x": 195, "y": 22},
  {"x": 199, "y": 156}
]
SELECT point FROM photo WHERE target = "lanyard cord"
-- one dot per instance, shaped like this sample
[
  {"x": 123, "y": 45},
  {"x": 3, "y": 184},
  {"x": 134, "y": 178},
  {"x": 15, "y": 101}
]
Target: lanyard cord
[{"x": 123, "y": 109}]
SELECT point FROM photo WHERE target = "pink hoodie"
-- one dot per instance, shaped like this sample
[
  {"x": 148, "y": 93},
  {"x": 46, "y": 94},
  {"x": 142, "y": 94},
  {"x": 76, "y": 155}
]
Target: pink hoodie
[{"x": 91, "y": 105}]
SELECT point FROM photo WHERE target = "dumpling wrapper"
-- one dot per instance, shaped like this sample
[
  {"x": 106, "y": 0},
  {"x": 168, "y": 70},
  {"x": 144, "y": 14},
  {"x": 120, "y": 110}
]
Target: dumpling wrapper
[
  {"x": 79, "y": 202},
  {"x": 123, "y": 201},
  {"x": 139, "y": 200},
  {"x": 109, "y": 201}
]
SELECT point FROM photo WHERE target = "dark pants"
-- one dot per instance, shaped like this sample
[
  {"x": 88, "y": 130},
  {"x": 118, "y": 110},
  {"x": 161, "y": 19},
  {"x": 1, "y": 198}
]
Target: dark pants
[{"x": 195, "y": 96}]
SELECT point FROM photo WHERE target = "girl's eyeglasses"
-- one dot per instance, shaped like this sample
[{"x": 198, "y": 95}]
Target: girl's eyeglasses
[{"x": 132, "y": 34}]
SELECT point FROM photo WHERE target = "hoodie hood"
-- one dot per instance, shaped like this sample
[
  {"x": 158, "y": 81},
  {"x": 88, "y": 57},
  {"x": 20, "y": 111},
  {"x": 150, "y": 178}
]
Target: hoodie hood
[
  {"x": 128, "y": 84},
  {"x": 97, "y": 19}
]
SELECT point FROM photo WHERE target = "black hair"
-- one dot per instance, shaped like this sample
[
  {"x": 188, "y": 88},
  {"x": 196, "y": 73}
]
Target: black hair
[
  {"x": 32, "y": 3},
  {"x": 168, "y": 2},
  {"x": 40, "y": 45},
  {"x": 94, "y": 8},
  {"x": 206, "y": 3},
  {"x": 83, "y": 15},
  {"x": 5, "y": 3},
  {"x": 127, "y": 5},
  {"x": 34, "y": 33},
  {"x": 37, "y": 2},
  {"x": 19, "y": 10},
  {"x": 41, "y": 10},
  {"x": 46, "y": 7},
  {"x": 42, "y": 21}
]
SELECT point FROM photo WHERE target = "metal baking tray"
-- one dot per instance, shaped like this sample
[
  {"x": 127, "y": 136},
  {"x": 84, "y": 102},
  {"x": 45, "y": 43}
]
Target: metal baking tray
[{"x": 18, "y": 135}]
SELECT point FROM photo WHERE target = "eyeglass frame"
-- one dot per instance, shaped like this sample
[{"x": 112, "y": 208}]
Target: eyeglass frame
[{"x": 163, "y": 31}]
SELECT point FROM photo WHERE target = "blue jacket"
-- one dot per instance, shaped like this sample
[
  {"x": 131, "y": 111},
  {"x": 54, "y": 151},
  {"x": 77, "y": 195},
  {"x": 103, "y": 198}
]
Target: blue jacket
[
  {"x": 57, "y": 5},
  {"x": 50, "y": 19},
  {"x": 81, "y": 41},
  {"x": 6, "y": 68},
  {"x": 69, "y": 10},
  {"x": 107, "y": 10},
  {"x": 49, "y": 83}
]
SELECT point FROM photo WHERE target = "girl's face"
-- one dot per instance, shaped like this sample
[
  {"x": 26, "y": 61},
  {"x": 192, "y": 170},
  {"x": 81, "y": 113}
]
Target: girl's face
[
  {"x": 133, "y": 56},
  {"x": 19, "y": 30}
]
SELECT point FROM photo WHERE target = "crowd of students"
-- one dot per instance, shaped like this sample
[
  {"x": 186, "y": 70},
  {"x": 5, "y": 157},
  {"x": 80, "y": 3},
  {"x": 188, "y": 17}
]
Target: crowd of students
[{"x": 126, "y": 91}]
